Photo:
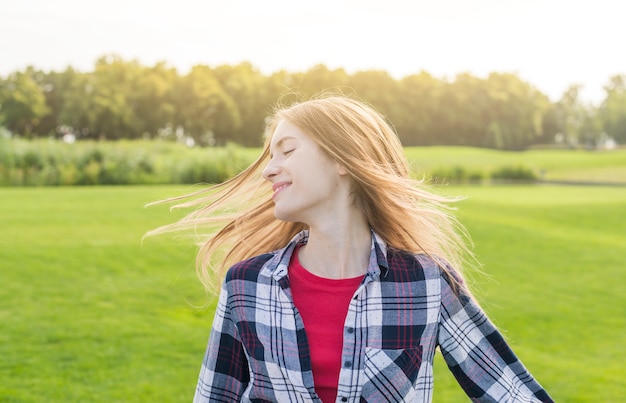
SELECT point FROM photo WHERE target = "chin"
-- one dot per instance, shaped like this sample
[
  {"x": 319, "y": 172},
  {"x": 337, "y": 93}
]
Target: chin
[{"x": 283, "y": 215}]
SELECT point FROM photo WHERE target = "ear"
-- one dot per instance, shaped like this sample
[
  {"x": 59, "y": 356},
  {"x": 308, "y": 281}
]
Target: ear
[{"x": 341, "y": 170}]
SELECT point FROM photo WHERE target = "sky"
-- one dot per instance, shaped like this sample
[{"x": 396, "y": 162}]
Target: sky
[{"x": 551, "y": 44}]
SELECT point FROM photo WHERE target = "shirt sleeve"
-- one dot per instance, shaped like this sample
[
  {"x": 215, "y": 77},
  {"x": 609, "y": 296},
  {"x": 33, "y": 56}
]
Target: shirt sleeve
[
  {"x": 224, "y": 374},
  {"x": 478, "y": 356}
]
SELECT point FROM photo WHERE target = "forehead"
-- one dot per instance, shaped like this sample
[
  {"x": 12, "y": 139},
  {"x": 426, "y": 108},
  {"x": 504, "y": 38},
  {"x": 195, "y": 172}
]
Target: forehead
[{"x": 285, "y": 131}]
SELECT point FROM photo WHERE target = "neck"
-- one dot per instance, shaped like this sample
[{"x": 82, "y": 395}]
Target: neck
[{"x": 339, "y": 250}]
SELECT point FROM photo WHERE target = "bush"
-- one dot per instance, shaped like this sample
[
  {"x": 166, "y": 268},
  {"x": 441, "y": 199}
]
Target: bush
[
  {"x": 51, "y": 163},
  {"x": 514, "y": 173},
  {"x": 455, "y": 174}
]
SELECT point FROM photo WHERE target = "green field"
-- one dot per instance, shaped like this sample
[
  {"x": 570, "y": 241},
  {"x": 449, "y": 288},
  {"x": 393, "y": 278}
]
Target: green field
[{"x": 89, "y": 314}]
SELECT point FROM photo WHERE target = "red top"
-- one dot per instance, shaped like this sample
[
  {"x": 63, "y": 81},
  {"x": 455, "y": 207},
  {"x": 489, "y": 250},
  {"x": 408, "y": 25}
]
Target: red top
[{"x": 323, "y": 304}]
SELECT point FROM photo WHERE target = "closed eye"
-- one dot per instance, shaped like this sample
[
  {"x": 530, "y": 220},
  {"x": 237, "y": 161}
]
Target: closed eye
[{"x": 289, "y": 151}]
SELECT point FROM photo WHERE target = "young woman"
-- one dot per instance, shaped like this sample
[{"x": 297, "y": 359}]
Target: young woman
[{"x": 342, "y": 274}]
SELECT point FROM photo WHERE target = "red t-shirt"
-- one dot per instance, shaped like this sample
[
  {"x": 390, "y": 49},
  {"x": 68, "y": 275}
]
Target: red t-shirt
[{"x": 323, "y": 304}]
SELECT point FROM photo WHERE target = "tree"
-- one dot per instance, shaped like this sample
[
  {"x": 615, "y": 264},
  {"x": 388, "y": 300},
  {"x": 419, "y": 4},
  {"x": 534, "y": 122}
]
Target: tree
[
  {"x": 464, "y": 108},
  {"x": 123, "y": 99},
  {"x": 515, "y": 112},
  {"x": 379, "y": 89},
  {"x": 22, "y": 103},
  {"x": 319, "y": 79},
  {"x": 203, "y": 109},
  {"x": 420, "y": 109},
  {"x": 73, "y": 92},
  {"x": 113, "y": 114},
  {"x": 245, "y": 85},
  {"x": 152, "y": 99},
  {"x": 570, "y": 115},
  {"x": 612, "y": 111}
]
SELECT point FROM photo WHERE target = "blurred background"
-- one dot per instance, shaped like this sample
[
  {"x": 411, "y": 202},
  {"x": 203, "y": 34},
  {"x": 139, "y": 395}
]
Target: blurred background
[{"x": 106, "y": 106}]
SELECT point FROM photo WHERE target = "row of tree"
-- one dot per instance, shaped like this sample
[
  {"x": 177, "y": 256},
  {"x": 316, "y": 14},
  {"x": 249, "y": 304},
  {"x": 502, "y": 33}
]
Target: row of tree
[{"x": 213, "y": 106}]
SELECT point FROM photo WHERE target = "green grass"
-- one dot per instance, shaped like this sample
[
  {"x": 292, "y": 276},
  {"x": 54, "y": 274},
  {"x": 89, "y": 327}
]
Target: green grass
[
  {"x": 88, "y": 313},
  {"x": 554, "y": 279}
]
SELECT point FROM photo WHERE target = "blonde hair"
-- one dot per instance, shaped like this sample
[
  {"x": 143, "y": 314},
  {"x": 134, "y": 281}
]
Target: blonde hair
[{"x": 238, "y": 217}]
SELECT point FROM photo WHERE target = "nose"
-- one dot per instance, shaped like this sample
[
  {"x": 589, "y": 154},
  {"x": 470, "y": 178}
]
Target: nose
[{"x": 270, "y": 170}]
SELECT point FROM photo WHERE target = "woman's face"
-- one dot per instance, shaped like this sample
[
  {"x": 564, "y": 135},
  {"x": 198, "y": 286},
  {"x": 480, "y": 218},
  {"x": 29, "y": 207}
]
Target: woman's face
[{"x": 308, "y": 185}]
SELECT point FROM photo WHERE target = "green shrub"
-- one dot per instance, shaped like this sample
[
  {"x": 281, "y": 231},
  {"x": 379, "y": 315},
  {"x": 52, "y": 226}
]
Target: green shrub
[
  {"x": 48, "y": 162},
  {"x": 455, "y": 174},
  {"x": 514, "y": 173}
]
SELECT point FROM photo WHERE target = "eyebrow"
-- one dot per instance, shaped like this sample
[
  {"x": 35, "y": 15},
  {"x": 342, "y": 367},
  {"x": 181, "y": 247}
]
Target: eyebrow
[{"x": 282, "y": 140}]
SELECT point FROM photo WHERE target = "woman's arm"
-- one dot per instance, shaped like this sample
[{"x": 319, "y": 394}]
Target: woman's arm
[
  {"x": 224, "y": 374},
  {"x": 478, "y": 356}
]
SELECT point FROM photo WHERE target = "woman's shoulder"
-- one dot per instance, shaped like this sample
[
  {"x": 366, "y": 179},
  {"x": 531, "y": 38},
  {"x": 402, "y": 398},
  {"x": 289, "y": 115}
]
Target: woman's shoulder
[
  {"x": 401, "y": 260},
  {"x": 435, "y": 273},
  {"x": 248, "y": 269}
]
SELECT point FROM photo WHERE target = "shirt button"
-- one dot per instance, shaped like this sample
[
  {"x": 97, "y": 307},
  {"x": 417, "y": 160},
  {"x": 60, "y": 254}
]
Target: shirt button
[
  {"x": 344, "y": 399},
  {"x": 347, "y": 364},
  {"x": 350, "y": 330}
]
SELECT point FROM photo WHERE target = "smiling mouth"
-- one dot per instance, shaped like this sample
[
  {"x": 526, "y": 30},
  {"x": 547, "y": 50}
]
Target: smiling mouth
[{"x": 279, "y": 187}]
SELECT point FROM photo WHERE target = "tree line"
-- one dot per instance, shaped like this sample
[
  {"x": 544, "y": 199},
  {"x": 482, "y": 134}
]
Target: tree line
[{"x": 218, "y": 105}]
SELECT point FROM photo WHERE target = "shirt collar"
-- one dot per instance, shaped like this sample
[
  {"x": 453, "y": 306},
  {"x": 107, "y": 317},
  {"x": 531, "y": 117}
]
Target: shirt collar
[{"x": 277, "y": 266}]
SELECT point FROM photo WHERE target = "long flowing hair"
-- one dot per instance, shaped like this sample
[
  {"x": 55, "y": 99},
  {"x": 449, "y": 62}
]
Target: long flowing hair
[{"x": 234, "y": 220}]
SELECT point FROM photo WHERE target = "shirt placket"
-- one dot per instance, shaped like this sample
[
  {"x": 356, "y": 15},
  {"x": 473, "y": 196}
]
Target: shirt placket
[
  {"x": 354, "y": 341},
  {"x": 302, "y": 382}
]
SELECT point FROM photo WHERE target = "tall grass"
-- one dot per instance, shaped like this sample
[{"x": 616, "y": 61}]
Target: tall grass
[{"x": 49, "y": 162}]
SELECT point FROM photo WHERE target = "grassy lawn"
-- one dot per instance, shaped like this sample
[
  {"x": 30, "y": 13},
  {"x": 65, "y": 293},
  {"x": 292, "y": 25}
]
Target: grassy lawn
[
  {"x": 89, "y": 313},
  {"x": 554, "y": 269}
]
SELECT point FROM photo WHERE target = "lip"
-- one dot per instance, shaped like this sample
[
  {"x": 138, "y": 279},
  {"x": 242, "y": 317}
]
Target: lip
[{"x": 279, "y": 187}]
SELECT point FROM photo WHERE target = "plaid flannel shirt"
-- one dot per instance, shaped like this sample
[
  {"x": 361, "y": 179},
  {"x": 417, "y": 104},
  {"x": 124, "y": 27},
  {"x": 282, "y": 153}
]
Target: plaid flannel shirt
[{"x": 401, "y": 312}]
